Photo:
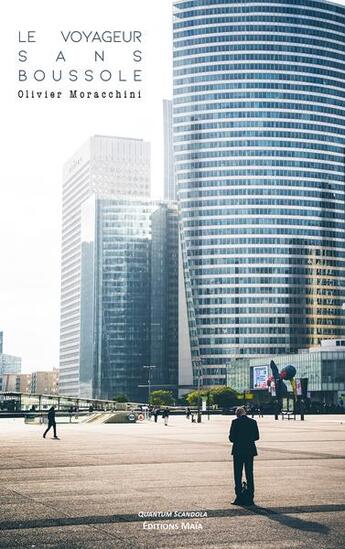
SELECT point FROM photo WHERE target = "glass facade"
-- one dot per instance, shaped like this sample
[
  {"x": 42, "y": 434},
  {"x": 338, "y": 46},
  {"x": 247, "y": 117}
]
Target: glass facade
[
  {"x": 129, "y": 273},
  {"x": 259, "y": 135},
  {"x": 10, "y": 364},
  {"x": 115, "y": 304},
  {"x": 164, "y": 296}
]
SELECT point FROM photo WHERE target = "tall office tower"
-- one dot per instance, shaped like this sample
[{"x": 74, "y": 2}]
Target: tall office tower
[
  {"x": 164, "y": 296},
  {"x": 259, "y": 135},
  {"x": 115, "y": 297},
  {"x": 169, "y": 177},
  {"x": 106, "y": 166}
]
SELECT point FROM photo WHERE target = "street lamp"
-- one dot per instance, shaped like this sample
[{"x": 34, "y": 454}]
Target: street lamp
[
  {"x": 199, "y": 363},
  {"x": 150, "y": 366}
]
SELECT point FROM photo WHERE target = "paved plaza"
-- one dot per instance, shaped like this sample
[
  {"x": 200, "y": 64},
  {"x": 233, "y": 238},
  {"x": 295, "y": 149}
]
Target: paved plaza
[{"x": 100, "y": 486}]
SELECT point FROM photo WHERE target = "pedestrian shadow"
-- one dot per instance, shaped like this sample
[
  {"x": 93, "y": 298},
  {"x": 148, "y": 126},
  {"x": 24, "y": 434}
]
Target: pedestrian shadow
[{"x": 289, "y": 521}]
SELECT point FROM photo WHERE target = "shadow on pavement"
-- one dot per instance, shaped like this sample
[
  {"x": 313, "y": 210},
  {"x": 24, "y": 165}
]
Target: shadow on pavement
[
  {"x": 278, "y": 514},
  {"x": 291, "y": 522}
]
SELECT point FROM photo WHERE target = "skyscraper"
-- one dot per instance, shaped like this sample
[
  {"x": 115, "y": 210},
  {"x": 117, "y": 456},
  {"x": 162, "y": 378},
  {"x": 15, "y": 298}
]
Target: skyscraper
[
  {"x": 259, "y": 135},
  {"x": 128, "y": 296},
  {"x": 104, "y": 166},
  {"x": 169, "y": 177},
  {"x": 164, "y": 296}
]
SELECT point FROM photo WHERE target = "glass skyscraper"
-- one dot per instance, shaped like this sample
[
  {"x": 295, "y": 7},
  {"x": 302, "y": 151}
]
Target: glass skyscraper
[
  {"x": 164, "y": 296},
  {"x": 105, "y": 166},
  {"x": 129, "y": 296},
  {"x": 115, "y": 297},
  {"x": 259, "y": 135}
]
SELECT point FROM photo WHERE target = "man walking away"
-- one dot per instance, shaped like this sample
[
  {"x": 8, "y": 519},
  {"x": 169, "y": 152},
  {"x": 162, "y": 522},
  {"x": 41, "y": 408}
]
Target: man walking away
[
  {"x": 165, "y": 415},
  {"x": 155, "y": 414},
  {"x": 51, "y": 423},
  {"x": 243, "y": 433}
]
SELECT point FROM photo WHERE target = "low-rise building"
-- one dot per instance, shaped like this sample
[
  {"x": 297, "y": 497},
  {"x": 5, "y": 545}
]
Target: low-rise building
[
  {"x": 324, "y": 366},
  {"x": 45, "y": 382}
]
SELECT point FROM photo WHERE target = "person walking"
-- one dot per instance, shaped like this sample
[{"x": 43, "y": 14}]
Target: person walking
[
  {"x": 188, "y": 413},
  {"x": 243, "y": 434},
  {"x": 155, "y": 414},
  {"x": 165, "y": 415},
  {"x": 51, "y": 422}
]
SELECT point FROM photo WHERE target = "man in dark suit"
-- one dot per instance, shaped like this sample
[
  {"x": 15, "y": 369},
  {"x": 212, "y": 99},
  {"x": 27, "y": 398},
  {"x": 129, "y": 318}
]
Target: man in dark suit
[
  {"x": 51, "y": 422},
  {"x": 243, "y": 433}
]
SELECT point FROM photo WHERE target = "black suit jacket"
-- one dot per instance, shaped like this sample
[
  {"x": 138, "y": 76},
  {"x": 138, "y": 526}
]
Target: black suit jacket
[{"x": 243, "y": 433}]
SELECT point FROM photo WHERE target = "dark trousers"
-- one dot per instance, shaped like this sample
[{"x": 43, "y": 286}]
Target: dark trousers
[
  {"x": 50, "y": 425},
  {"x": 248, "y": 463}
]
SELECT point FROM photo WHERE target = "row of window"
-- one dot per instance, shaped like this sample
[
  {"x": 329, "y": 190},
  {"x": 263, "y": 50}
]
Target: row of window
[
  {"x": 267, "y": 67},
  {"x": 322, "y": 312},
  {"x": 262, "y": 86},
  {"x": 270, "y": 152},
  {"x": 262, "y": 44},
  {"x": 283, "y": 96},
  {"x": 299, "y": 75},
  {"x": 245, "y": 105},
  {"x": 276, "y": 26},
  {"x": 224, "y": 285},
  {"x": 252, "y": 17},
  {"x": 322, "y": 324},
  {"x": 298, "y": 175},
  {"x": 189, "y": 124},
  {"x": 298, "y": 10},
  {"x": 299, "y": 244},
  {"x": 243, "y": 341},
  {"x": 256, "y": 201},
  {"x": 252, "y": 260},
  {"x": 259, "y": 191},
  {"x": 268, "y": 58},
  {"x": 265, "y": 330},
  {"x": 278, "y": 300},
  {"x": 265, "y": 350},
  {"x": 201, "y": 245},
  {"x": 321, "y": 233},
  {"x": 324, "y": 7},
  {"x": 210, "y": 187},
  {"x": 273, "y": 285},
  {"x": 199, "y": 129},
  {"x": 295, "y": 140},
  {"x": 259, "y": 251}
]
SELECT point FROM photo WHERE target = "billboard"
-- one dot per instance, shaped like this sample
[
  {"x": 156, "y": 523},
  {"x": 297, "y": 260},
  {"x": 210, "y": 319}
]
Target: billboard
[{"x": 260, "y": 375}]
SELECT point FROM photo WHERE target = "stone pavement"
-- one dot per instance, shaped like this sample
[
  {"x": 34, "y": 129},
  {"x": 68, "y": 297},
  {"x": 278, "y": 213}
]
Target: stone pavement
[{"x": 92, "y": 488}]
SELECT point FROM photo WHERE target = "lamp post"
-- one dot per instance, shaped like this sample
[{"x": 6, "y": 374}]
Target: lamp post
[
  {"x": 150, "y": 366},
  {"x": 199, "y": 363}
]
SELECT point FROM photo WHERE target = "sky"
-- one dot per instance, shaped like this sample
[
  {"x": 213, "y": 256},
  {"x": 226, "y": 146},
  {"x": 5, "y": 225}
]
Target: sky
[{"x": 38, "y": 136}]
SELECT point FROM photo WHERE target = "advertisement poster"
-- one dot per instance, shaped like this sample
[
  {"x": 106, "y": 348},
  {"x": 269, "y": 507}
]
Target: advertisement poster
[{"x": 260, "y": 375}]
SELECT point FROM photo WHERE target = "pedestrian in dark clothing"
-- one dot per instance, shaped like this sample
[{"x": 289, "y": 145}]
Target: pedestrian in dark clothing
[
  {"x": 188, "y": 412},
  {"x": 243, "y": 434},
  {"x": 155, "y": 414},
  {"x": 51, "y": 422},
  {"x": 165, "y": 416}
]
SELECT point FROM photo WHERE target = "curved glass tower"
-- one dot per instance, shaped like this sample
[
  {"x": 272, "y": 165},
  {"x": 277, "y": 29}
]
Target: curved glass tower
[{"x": 259, "y": 135}]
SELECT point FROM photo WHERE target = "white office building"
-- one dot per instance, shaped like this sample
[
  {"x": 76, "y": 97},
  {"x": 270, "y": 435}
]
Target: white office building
[{"x": 106, "y": 166}]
